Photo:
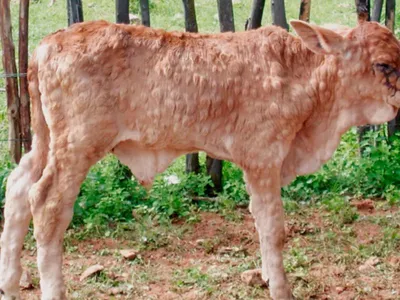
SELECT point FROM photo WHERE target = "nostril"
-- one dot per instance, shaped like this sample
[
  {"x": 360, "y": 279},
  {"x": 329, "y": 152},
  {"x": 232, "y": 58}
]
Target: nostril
[{"x": 1, "y": 292}]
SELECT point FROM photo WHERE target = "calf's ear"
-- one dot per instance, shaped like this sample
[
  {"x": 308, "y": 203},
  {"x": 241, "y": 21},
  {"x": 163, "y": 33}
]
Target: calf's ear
[{"x": 319, "y": 40}]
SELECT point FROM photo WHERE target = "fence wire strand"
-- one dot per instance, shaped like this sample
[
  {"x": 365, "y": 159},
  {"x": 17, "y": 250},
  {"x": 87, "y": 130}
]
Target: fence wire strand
[
  {"x": 13, "y": 75},
  {"x": 15, "y": 140}
]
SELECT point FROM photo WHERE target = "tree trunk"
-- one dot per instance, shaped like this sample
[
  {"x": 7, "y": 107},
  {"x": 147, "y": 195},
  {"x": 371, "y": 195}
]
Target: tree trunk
[
  {"x": 363, "y": 10},
  {"x": 122, "y": 11},
  {"x": 305, "y": 8},
  {"x": 279, "y": 13},
  {"x": 394, "y": 125},
  {"x": 214, "y": 169},
  {"x": 225, "y": 15},
  {"x": 377, "y": 11},
  {"x": 257, "y": 11},
  {"x": 190, "y": 16},
  {"x": 13, "y": 102},
  {"x": 145, "y": 11},
  {"x": 23, "y": 82},
  {"x": 192, "y": 160},
  {"x": 390, "y": 14},
  {"x": 363, "y": 14},
  {"x": 192, "y": 163},
  {"x": 226, "y": 23},
  {"x": 75, "y": 11}
]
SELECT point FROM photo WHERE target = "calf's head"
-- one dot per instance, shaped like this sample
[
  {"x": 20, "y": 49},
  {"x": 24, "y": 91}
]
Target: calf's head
[{"x": 366, "y": 61}]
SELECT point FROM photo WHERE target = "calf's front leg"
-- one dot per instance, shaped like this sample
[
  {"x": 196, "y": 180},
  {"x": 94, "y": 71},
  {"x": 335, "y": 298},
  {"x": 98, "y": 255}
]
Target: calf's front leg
[{"x": 267, "y": 209}]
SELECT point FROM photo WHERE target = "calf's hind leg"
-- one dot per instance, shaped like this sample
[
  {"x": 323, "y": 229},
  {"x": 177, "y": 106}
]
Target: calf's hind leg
[
  {"x": 52, "y": 201},
  {"x": 17, "y": 218}
]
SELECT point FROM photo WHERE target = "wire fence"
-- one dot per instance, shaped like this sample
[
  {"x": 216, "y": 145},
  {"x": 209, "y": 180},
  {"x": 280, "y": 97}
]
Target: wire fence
[
  {"x": 15, "y": 140},
  {"x": 13, "y": 75}
]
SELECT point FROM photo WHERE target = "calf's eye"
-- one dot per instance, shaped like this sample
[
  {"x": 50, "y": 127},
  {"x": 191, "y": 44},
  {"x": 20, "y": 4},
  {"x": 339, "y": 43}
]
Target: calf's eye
[{"x": 384, "y": 68}]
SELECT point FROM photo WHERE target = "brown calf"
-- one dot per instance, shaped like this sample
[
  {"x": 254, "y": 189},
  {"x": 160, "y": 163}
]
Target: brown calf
[{"x": 274, "y": 104}]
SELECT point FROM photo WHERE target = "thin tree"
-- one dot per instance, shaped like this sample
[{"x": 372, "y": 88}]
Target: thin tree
[
  {"x": 23, "y": 69},
  {"x": 10, "y": 68},
  {"x": 75, "y": 11},
  {"x": 377, "y": 11},
  {"x": 394, "y": 125},
  {"x": 122, "y": 11},
  {"x": 305, "y": 8},
  {"x": 257, "y": 11},
  {"x": 145, "y": 12},
  {"x": 279, "y": 13},
  {"x": 363, "y": 14},
  {"x": 226, "y": 23},
  {"x": 363, "y": 10},
  {"x": 192, "y": 159}
]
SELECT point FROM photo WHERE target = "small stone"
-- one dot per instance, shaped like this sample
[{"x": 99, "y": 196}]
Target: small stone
[
  {"x": 364, "y": 205},
  {"x": 95, "y": 269},
  {"x": 115, "y": 291},
  {"x": 231, "y": 251},
  {"x": 171, "y": 296},
  {"x": 373, "y": 261},
  {"x": 369, "y": 264},
  {"x": 129, "y": 254},
  {"x": 225, "y": 250},
  {"x": 194, "y": 295},
  {"x": 340, "y": 289},
  {"x": 200, "y": 242},
  {"x": 112, "y": 275},
  {"x": 253, "y": 277},
  {"x": 26, "y": 280}
]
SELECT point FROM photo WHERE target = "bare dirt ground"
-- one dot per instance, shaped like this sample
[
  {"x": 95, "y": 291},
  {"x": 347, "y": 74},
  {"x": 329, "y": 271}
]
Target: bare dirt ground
[{"x": 349, "y": 254}]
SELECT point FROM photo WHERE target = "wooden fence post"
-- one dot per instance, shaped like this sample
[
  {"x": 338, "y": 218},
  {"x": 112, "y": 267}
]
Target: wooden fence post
[
  {"x": 257, "y": 11},
  {"x": 225, "y": 14},
  {"x": 377, "y": 11},
  {"x": 23, "y": 69},
  {"x": 279, "y": 13},
  {"x": 363, "y": 10},
  {"x": 190, "y": 16},
  {"x": 145, "y": 12},
  {"x": 363, "y": 14},
  {"x": 13, "y": 102},
  {"x": 214, "y": 170},
  {"x": 390, "y": 14},
  {"x": 192, "y": 160},
  {"x": 75, "y": 11},
  {"x": 394, "y": 125},
  {"x": 122, "y": 17},
  {"x": 226, "y": 23},
  {"x": 305, "y": 8},
  {"x": 122, "y": 11}
]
